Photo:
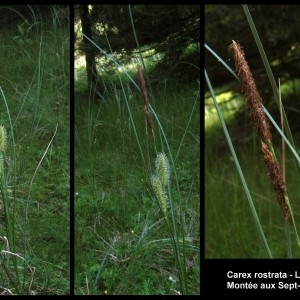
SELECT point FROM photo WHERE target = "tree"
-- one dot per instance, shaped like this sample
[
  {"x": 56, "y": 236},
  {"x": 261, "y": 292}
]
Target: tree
[
  {"x": 279, "y": 29},
  {"x": 88, "y": 48},
  {"x": 166, "y": 29}
]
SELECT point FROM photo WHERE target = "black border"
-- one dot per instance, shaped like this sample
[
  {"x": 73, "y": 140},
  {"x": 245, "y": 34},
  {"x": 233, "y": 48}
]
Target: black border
[{"x": 215, "y": 276}]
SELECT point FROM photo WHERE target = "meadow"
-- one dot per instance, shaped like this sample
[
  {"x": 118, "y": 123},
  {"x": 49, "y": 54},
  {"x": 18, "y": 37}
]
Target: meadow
[
  {"x": 123, "y": 244},
  {"x": 35, "y": 153}
]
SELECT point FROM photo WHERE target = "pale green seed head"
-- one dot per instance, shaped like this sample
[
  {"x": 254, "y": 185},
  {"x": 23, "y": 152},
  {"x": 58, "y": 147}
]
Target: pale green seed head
[
  {"x": 3, "y": 139},
  {"x": 163, "y": 168},
  {"x": 160, "y": 194},
  {"x": 1, "y": 164}
]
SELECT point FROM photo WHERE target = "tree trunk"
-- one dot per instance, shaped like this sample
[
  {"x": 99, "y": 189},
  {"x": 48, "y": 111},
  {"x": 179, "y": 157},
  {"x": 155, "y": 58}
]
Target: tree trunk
[{"x": 88, "y": 48}]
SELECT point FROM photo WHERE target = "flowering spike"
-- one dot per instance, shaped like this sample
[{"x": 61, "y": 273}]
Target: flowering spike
[
  {"x": 162, "y": 168},
  {"x": 160, "y": 194},
  {"x": 3, "y": 139}
]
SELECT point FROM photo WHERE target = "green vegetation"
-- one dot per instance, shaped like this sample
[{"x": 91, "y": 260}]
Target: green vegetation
[
  {"x": 136, "y": 153},
  {"x": 243, "y": 217},
  {"x": 35, "y": 200},
  {"x": 122, "y": 243},
  {"x": 136, "y": 123},
  {"x": 229, "y": 228}
]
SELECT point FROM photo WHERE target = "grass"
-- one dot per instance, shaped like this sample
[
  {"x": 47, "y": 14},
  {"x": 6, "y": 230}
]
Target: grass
[
  {"x": 122, "y": 244},
  {"x": 35, "y": 187},
  {"x": 230, "y": 228}
]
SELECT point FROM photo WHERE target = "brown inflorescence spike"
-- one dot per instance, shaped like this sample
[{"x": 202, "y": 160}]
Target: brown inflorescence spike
[
  {"x": 252, "y": 97},
  {"x": 277, "y": 181},
  {"x": 145, "y": 98},
  {"x": 261, "y": 124}
]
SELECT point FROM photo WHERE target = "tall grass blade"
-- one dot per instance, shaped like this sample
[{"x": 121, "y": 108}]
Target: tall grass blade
[{"x": 247, "y": 192}]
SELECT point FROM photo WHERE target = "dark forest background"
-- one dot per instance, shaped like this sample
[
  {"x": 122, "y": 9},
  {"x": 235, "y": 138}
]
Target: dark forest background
[
  {"x": 278, "y": 28},
  {"x": 172, "y": 31}
]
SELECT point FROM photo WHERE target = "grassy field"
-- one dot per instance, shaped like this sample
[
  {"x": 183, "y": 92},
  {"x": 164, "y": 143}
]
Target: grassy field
[
  {"x": 122, "y": 242},
  {"x": 230, "y": 230},
  {"x": 35, "y": 185}
]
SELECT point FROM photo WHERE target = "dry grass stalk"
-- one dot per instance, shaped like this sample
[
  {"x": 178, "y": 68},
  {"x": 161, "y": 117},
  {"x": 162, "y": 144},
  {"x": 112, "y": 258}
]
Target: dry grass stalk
[
  {"x": 261, "y": 124},
  {"x": 146, "y": 99}
]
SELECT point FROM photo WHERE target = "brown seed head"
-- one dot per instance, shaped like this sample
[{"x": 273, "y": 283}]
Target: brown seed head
[
  {"x": 145, "y": 98},
  {"x": 277, "y": 180},
  {"x": 252, "y": 97}
]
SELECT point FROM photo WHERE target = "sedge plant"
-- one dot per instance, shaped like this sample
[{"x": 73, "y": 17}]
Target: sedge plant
[
  {"x": 260, "y": 118},
  {"x": 9, "y": 257},
  {"x": 168, "y": 196},
  {"x": 161, "y": 186},
  {"x": 35, "y": 77},
  {"x": 13, "y": 264},
  {"x": 261, "y": 124}
]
